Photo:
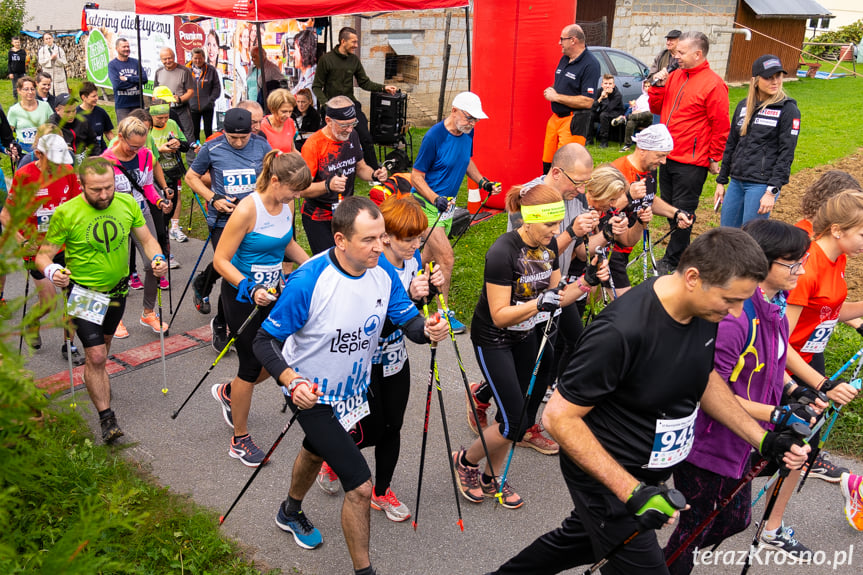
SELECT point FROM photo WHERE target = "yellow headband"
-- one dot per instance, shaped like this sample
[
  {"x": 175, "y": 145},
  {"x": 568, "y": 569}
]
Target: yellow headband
[{"x": 543, "y": 213}]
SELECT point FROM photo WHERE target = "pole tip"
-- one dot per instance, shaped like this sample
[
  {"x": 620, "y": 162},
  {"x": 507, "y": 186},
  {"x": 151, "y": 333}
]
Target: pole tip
[
  {"x": 221, "y": 519},
  {"x": 414, "y": 525},
  {"x": 175, "y": 414},
  {"x": 460, "y": 523}
]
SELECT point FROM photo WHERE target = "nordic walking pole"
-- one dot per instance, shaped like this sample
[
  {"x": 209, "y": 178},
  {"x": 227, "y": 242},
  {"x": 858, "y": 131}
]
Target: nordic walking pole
[
  {"x": 218, "y": 358},
  {"x": 68, "y": 337},
  {"x": 674, "y": 497},
  {"x": 162, "y": 343},
  {"x": 24, "y": 311},
  {"x": 473, "y": 217},
  {"x": 433, "y": 344},
  {"x": 603, "y": 257},
  {"x": 191, "y": 278},
  {"x": 264, "y": 462},
  {"x": 431, "y": 229},
  {"x": 170, "y": 282},
  {"x": 723, "y": 503},
  {"x": 835, "y": 415},
  {"x": 467, "y": 387},
  {"x": 552, "y": 321},
  {"x": 801, "y": 430},
  {"x": 432, "y": 370}
]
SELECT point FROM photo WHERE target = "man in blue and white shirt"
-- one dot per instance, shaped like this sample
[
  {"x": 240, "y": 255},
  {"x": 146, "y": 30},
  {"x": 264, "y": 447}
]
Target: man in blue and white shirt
[{"x": 318, "y": 342}]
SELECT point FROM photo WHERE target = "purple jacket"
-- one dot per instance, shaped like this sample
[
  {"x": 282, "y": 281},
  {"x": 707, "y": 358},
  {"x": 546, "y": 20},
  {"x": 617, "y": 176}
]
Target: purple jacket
[{"x": 716, "y": 448}]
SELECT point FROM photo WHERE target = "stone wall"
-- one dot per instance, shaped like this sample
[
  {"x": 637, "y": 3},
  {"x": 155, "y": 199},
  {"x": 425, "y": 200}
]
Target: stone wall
[
  {"x": 640, "y": 27},
  {"x": 75, "y": 54},
  {"x": 427, "y": 30}
]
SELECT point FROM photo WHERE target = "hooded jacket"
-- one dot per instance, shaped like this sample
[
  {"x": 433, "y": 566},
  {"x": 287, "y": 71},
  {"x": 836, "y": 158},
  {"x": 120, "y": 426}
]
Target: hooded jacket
[
  {"x": 207, "y": 88},
  {"x": 693, "y": 104},
  {"x": 716, "y": 448},
  {"x": 765, "y": 153}
]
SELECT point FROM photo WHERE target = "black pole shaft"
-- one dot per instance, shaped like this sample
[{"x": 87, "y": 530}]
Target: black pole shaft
[
  {"x": 140, "y": 69},
  {"x": 262, "y": 58},
  {"x": 446, "y": 53}
]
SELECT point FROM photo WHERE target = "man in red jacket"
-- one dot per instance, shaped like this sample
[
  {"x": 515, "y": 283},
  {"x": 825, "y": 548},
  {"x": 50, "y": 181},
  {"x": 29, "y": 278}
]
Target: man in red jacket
[{"x": 692, "y": 102}]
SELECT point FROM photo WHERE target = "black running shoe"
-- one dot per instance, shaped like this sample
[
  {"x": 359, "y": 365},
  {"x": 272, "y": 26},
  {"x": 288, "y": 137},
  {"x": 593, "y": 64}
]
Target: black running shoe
[
  {"x": 77, "y": 358},
  {"x": 202, "y": 302},
  {"x": 110, "y": 430}
]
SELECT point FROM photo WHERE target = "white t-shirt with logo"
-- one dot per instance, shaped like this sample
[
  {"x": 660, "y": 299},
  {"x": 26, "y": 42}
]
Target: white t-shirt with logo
[{"x": 331, "y": 321}]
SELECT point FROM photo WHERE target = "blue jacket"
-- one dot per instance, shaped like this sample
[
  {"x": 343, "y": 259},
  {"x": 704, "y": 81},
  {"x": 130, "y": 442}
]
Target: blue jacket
[
  {"x": 127, "y": 93},
  {"x": 716, "y": 448}
]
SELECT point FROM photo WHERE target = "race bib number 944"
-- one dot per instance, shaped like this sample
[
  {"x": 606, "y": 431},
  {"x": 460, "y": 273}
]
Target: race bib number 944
[{"x": 672, "y": 441}]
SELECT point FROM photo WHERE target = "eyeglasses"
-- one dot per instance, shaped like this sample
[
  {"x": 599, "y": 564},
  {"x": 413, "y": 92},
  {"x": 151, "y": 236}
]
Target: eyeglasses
[
  {"x": 795, "y": 268},
  {"x": 576, "y": 183},
  {"x": 565, "y": 38},
  {"x": 347, "y": 126},
  {"x": 468, "y": 118}
]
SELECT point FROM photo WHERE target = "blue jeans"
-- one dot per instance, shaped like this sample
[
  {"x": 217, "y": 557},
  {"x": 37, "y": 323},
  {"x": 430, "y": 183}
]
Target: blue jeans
[{"x": 741, "y": 203}]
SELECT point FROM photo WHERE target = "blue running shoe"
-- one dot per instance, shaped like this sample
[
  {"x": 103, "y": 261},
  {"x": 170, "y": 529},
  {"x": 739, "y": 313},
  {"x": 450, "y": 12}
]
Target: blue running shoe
[
  {"x": 305, "y": 534},
  {"x": 455, "y": 324}
]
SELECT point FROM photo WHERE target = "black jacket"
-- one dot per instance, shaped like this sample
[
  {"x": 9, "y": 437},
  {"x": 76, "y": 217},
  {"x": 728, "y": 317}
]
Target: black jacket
[
  {"x": 207, "y": 89},
  {"x": 612, "y": 105},
  {"x": 765, "y": 153}
]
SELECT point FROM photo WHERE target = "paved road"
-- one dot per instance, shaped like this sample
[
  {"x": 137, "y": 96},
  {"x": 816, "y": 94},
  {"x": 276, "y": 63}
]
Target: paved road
[{"x": 190, "y": 455}]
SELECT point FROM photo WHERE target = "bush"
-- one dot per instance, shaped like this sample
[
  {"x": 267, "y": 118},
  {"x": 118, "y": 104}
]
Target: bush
[{"x": 852, "y": 33}]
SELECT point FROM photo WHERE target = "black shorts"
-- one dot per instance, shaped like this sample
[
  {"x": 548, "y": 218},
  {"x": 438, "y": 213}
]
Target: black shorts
[
  {"x": 617, "y": 267},
  {"x": 236, "y": 312},
  {"x": 37, "y": 275},
  {"x": 92, "y": 334},
  {"x": 326, "y": 438}
]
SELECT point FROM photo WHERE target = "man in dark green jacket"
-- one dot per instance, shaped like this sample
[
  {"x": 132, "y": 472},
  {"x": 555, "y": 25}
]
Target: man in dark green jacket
[{"x": 335, "y": 75}]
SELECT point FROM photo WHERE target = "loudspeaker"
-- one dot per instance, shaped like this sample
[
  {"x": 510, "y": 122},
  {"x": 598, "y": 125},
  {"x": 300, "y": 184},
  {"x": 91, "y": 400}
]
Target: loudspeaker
[{"x": 387, "y": 117}]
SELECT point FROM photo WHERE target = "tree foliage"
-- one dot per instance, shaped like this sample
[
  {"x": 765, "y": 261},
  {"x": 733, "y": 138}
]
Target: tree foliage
[{"x": 13, "y": 14}]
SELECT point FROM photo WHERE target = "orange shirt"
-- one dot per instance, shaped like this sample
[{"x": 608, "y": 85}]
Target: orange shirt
[
  {"x": 821, "y": 291},
  {"x": 282, "y": 140}
]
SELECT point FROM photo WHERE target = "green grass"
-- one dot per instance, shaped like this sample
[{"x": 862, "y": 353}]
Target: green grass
[{"x": 76, "y": 507}]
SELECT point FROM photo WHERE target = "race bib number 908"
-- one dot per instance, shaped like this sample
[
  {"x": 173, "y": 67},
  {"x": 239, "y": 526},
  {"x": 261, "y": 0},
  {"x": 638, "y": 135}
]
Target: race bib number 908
[{"x": 351, "y": 410}]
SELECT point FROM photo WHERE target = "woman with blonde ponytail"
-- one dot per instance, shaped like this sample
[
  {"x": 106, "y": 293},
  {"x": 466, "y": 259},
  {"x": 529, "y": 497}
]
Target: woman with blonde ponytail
[{"x": 257, "y": 237}]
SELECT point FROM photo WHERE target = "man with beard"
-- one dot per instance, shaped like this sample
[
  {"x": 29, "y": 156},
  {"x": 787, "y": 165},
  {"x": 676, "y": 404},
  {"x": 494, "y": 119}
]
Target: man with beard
[
  {"x": 94, "y": 227},
  {"x": 335, "y": 158}
]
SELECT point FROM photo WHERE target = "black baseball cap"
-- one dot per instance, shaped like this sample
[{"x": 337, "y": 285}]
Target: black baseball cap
[
  {"x": 767, "y": 65},
  {"x": 674, "y": 34},
  {"x": 238, "y": 121}
]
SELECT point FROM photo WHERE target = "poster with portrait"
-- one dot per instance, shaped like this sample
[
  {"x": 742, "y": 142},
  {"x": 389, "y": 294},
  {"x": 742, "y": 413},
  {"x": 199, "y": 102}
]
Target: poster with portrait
[{"x": 289, "y": 45}]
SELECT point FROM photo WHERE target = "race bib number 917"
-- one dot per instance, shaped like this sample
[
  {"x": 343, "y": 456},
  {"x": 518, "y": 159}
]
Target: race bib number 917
[
  {"x": 817, "y": 342},
  {"x": 672, "y": 441}
]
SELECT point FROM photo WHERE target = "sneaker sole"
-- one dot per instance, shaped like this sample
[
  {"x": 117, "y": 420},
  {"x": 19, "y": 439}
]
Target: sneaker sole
[
  {"x": 287, "y": 529},
  {"x": 537, "y": 448},
  {"x": 145, "y": 324},
  {"x": 115, "y": 434},
  {"x": 236, "y": 455},
  {"x": 124, "y": 336},
  {"x": 826, "y": 478},
  {"x": 503, "y": 503},
  {"x": 214, "y": 391},
  {"x": 327, "y": 491},
  {"x": 395, "y": 518},
  {"x": 796, "y": 556}
]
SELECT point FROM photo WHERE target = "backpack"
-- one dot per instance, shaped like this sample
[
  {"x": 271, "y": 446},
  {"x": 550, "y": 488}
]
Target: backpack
[
  {"x": 397, "y": 185},
  {"x": 753, "y": 322}
]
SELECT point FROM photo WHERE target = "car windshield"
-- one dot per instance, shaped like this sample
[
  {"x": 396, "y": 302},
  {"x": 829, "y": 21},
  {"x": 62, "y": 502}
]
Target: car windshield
[{"x": 625, "y": 65}]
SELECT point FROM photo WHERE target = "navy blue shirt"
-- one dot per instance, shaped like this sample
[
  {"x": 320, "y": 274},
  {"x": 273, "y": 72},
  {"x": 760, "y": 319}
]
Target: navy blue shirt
[
  {"x": 127, "y": 94},
  {"x": 577, "y": 78},
  {"x": 100, "y": 122}
]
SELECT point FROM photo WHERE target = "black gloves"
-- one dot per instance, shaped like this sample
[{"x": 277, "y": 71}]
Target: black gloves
[
  {"x": 774, "y": 444},
  {"x": 652, "y": 506},
  {"x": 785, "y": 415},
  {"x": 486, "y": 185},
  {"x": 805, "y": 394},
  {"x": 441, "y": 203},
  {"x": 829, "y": 384}
]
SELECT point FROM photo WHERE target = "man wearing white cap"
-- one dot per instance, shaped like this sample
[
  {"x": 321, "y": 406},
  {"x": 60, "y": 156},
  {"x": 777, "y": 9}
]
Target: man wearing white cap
[
  {"x": 50, "y": 181},
  {"x": 440, "y": 167},
  {"x": 652, "y": 146}
]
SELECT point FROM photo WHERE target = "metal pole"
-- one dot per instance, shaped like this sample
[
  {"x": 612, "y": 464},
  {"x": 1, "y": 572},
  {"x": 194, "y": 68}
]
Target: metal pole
[
  {"x": 140, "y": 75},
  {"x": 446, "y": 52},
  {"x": 467, "y": 41}
]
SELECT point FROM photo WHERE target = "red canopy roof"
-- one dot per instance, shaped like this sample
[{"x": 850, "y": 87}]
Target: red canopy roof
[{"x": 261, "y": 10}]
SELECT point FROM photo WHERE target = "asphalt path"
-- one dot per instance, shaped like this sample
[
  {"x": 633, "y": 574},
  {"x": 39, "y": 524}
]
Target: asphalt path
[{"x": 190, "y": 455}]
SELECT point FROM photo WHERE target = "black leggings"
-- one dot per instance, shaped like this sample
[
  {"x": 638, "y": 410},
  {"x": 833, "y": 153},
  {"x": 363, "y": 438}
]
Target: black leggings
[
  {"x": 508, "y": 372},
  {"x": 388, "y": 399},
  {"x": 236, "y": 312},
  {"x": 319, "y": 234}
]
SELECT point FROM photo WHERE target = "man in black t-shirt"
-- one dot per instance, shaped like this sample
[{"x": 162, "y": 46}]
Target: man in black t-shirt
[{"x": 625, "y": 407}]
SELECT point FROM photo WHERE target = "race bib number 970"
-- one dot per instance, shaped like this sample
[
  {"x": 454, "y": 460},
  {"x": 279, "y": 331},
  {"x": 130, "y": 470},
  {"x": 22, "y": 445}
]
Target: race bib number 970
[
  {"x": 88, "y": 305},
  {"x": 817, "y": 342},
  {"x": 672, "y": 441}
]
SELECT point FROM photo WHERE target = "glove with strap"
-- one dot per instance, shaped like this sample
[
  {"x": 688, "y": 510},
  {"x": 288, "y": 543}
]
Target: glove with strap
[
  {"x": 549, "y": 300},
  {"x": 774, "y": 444},
  {"x": 652, "y": 506},
  {"x": 441, "y": 203},
  {"x": 830, "y": 384},
  {"x": 785, "y": 415},
  {"x": 246, "y": 290},
  {"x": 486, "y": 185},
  {"x": 805, "y": 394},
  {"x": 590, "y": 277}
]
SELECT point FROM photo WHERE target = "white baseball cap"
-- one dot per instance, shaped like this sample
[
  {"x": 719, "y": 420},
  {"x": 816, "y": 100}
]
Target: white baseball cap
[
  {"x": 469, "y": 102},
  {"x": 655, "y": 138},
  {"x": 55, "y": 149}
]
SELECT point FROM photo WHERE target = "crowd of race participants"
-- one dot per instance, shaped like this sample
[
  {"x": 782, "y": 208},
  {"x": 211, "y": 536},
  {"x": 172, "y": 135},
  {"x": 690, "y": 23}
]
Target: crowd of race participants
[{"x": 739, "y": 317}]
